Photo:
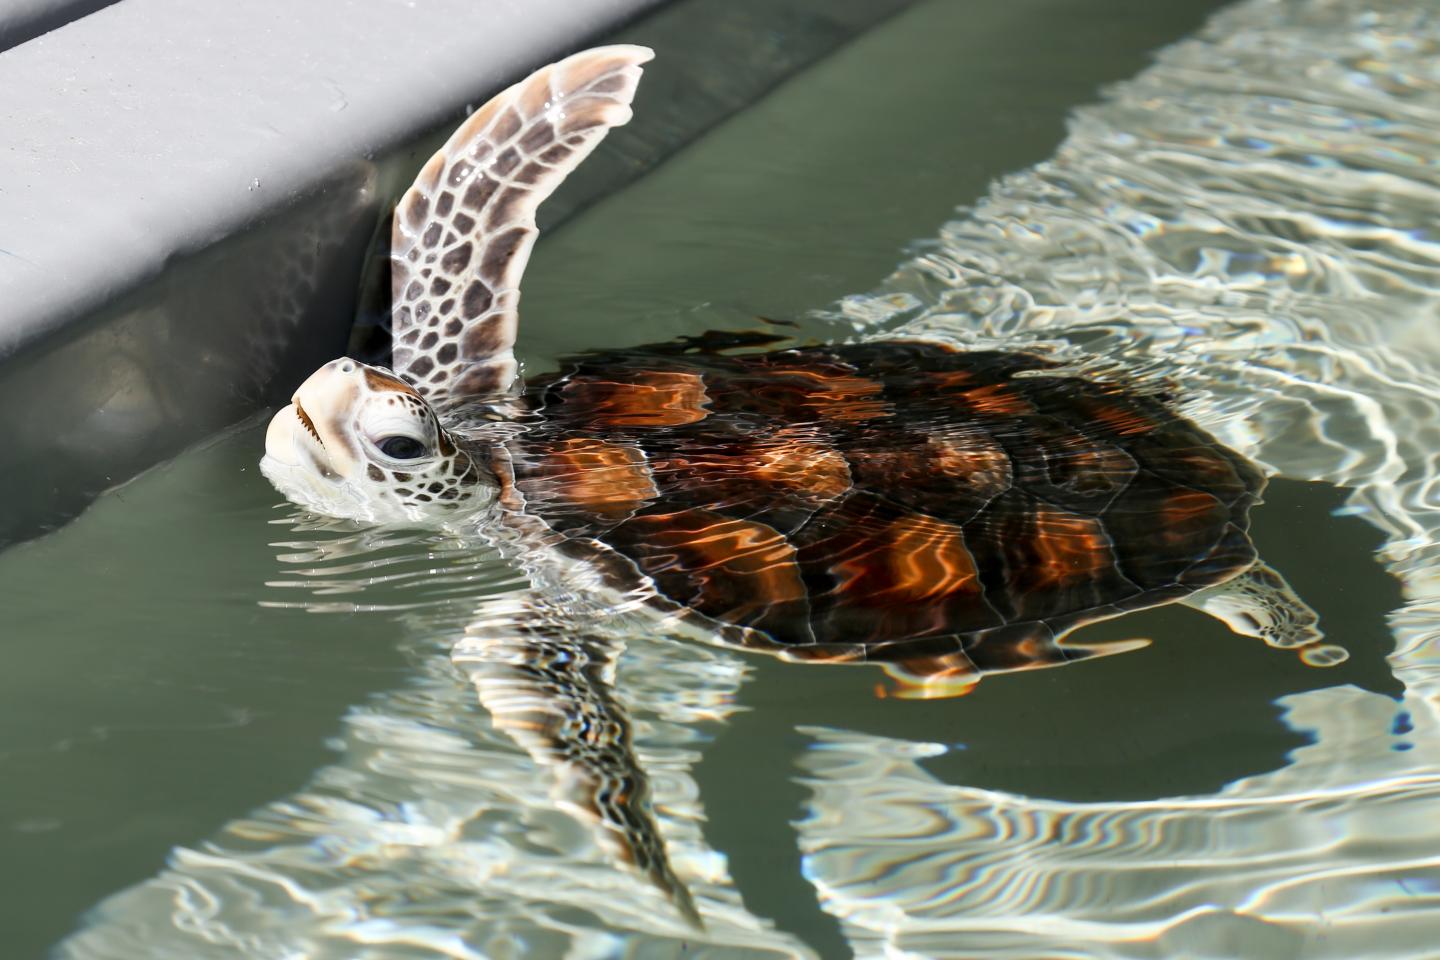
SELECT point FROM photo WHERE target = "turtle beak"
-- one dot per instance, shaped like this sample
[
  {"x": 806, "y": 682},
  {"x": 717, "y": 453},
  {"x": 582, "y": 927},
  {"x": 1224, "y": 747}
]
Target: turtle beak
[
  {"x": 308, "y": 431},
  {"x": 292, "y": 439}
]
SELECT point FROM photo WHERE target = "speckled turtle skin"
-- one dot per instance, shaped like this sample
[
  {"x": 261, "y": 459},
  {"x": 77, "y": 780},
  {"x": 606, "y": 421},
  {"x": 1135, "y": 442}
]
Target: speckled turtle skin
[{"x": 897, "y": 501}]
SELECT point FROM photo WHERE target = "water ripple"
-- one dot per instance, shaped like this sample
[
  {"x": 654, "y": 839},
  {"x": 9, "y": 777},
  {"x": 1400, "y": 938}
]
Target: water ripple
[
  {"x": 1269, "y": 245},
  {"x": 1252, "y": 219},
  {"x": 434, "y": 834}
]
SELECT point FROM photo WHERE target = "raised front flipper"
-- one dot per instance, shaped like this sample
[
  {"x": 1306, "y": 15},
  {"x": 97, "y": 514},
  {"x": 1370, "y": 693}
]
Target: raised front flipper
[
  {"x": 554, "y": 695},
  {"x": 464, "y": 229},
  {"x": 1259, "y": 603}
]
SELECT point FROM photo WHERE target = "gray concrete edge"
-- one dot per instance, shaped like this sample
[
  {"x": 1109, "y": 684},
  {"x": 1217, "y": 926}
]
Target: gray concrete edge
[{"x": 24, "y": 20}]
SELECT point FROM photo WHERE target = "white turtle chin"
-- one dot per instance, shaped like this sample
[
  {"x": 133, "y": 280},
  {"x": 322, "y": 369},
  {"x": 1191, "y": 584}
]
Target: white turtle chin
[
  {"x": 334, "y": 497},
  {"x": 298, "y": 465},
  {"x": 303, "y": 487}
]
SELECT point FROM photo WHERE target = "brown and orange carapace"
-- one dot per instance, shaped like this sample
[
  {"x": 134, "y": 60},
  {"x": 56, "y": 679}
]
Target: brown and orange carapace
[{"x": 902, "y": 502}]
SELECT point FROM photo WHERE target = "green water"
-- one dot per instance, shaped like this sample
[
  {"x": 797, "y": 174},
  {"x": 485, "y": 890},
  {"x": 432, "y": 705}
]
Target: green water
[
  {"x": 148, "y": 697},
  {"x": 160, "y": 700}
]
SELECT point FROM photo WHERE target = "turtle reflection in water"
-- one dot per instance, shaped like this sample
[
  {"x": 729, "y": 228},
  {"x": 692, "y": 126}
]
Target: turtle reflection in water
[{"x": 941, "y": 512}]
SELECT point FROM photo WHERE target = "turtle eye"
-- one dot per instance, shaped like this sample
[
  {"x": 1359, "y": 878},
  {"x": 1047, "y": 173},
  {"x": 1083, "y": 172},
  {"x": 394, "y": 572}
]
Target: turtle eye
[{"x": 402, "y": 448}]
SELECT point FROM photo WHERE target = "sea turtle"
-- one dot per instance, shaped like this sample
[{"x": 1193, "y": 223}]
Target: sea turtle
[{"x": 943, "y": 512}]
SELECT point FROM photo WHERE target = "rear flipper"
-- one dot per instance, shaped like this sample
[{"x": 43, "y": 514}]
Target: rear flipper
[
  {"x": 553, "y": 695},
  {"x": 1259, "y": 603}
]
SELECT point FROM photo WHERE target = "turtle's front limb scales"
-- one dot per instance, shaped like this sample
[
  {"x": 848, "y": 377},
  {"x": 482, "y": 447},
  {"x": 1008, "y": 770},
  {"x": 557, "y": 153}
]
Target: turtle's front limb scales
[
  {"x": 1259, "y": 603},
  {"x": 553, "y": 693}
]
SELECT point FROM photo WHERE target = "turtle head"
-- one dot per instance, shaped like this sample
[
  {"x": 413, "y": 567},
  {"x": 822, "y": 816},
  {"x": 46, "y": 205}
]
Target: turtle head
[{"x": 359, "y": 443}]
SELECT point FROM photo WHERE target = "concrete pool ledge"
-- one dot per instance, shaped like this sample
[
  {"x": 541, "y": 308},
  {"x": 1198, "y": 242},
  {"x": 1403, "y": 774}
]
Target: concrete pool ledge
[
  {"x": 23, "y": 20},
  {"x": 188, "y": 190}
]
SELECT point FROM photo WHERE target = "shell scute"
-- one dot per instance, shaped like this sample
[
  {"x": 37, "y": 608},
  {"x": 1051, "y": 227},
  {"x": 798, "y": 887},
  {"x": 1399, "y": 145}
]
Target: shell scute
[
  {"x": 1043, "y": 562},
  {"x": 781, "y": 479},
  {"x": 795, "y": 460},
  {"x": 1231, "y": 554},
  {"x": 737, "y": 571},
  {"x": 1159, "y": 530},
  {"x": 954, "y": 476},
  {"x": 916, "y": 559},
  {"x": 1189, "y": 461},
  {"x": 833, "y": 394},
  {"x": 654, "y": 398},
  {"x": 590, "y": 477},
  {"x": 878, "y": 570},
  {"x": 1116, "y": 413},
  {"x": 1088, "y": 474},
  {"x": 997, "y": 400}
]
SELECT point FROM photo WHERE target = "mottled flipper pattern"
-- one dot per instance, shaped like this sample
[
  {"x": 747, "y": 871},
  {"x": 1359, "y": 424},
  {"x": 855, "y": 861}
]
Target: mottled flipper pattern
[
  {"x": 553, "y": 693},
  {"x": 464, "y": 229},
  {"x": 1259, "y": 603}
]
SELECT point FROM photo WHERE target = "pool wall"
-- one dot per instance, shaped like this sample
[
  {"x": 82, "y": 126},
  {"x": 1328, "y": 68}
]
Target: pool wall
[{"x": 24, "y": 20}]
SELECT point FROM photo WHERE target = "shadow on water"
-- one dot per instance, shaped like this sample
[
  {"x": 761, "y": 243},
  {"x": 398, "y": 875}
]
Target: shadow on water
[{"x": 1187, "y": 715}]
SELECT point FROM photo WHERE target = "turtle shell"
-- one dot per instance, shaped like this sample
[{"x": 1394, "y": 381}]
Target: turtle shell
[{"x": 890, "y": 501}]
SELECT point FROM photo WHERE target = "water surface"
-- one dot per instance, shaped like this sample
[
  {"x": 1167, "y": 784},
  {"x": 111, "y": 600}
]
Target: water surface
[{"x": 1264, "y": 241}]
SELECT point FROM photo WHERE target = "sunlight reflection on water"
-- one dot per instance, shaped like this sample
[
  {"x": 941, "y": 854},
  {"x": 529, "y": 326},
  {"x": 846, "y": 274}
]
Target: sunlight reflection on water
[
  {"x": 1275, "y": 253},
  {"x": 1271, "y": 249}
]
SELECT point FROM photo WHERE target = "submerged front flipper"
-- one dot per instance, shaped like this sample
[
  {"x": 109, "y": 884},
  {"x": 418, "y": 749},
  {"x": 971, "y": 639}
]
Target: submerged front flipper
[
  {"x": 463, "y": 231},
  {"x": 1259, "y": 603},
  {"x": 553, "y": 694}
]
